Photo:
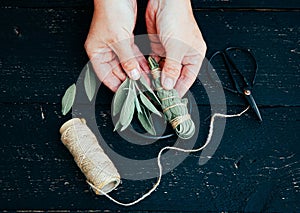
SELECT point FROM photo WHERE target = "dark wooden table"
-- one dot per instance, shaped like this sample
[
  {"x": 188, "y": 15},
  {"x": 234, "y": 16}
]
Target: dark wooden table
[{"x": 256, "y": 166}]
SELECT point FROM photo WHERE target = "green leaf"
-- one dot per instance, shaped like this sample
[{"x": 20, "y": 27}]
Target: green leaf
[
  {"x": 68, "y": 99},
  {"x": 153, "y": 97},
  {"x": 128, "y": 108},
  {"x": 137, "y": 105},
  {"x": 148, "y": 104},
  {"x": 117, "y": 126},
  {"x": 145, "y": 83},
  {"x": 90, "y": 83},
  {"x": 149, "y": 91},
  {"x": 146, "y": 121},
  {"x": 136, "y": 100},
  {"x": 120, "y": 97}
]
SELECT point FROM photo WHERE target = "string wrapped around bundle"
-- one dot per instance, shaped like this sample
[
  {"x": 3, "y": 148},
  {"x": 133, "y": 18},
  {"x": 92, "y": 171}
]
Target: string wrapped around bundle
[
  {"x": 99, "y": 170},
  {"x": 174, "y": 108}
]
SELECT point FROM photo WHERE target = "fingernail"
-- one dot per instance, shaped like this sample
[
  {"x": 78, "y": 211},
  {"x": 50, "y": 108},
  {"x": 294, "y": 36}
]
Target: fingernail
[
  {"x": 134, "y": 74},
  {"x": 168, "y": 83}
]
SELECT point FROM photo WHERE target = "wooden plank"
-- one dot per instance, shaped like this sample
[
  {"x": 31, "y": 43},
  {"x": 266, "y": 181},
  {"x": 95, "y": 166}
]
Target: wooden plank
[
  {"x": 197, "y": 4},
  {"x": 42, "y": 52},
  {"x": 47, "y": 49},
  {"x": 37, "y": 172},
  {"x": 244, "y": 4}
]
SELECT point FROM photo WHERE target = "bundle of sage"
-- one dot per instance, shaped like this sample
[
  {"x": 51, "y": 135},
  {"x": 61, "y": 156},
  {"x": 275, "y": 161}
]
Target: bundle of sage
[
  {"x": 130, "y": 97},
  {"x": 174, "y": 108}
]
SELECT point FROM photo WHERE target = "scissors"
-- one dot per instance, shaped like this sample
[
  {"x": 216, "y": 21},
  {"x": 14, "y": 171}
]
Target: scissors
[{"x": 244, "y": 87}]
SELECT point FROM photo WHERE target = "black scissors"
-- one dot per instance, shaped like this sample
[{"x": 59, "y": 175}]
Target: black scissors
[{"x": 244, "y": 87}]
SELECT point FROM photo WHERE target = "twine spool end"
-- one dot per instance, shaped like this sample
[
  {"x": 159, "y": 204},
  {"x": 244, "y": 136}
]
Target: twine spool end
[
  {"x": 107, "y": 187},
  {"x": 70, "y": 123}
]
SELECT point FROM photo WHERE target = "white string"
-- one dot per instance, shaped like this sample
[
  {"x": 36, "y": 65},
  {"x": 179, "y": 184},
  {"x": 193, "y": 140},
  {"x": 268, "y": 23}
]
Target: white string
[{"x": 210, "y": 134}]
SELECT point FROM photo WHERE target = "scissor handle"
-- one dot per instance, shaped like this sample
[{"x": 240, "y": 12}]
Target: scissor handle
[
  {"x": 230, "y": 65},
  {"x": 252, "y": 57}
]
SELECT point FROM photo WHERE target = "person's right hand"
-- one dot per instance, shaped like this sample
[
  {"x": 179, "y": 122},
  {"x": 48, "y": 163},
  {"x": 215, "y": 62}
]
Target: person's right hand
[
  {"x": 175, "y": 35},
  {"x": 110, "y": 45}
]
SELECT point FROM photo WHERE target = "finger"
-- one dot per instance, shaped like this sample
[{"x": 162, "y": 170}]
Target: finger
[
  {"x": 158, "y": 49},
  {"x": 102, "y": 60},
  {"x": 155, "y": 57},
  {"x": 141, "y": 59},
  {"x": 104, "y": 73},
  {"x": 129, "y": 63},
  {"x": 155, "y": 42},
  {"x": 101, "y": 68},
  {"x": 189, "y": 73},
  {"x": 186, "y": 79},
  {"x": 161, "y": 62},
  {"x": 156, "y": 46},
  {"x": 150, "y": 17},
  {"x": 118, "y": 72},
  {"x": 112, "y": 82},
  {"x": 170, "y": 73}
]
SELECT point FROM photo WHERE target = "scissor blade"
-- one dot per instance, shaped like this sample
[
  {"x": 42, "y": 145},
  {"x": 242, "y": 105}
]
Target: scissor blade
[{"x": 253, "y": 105}]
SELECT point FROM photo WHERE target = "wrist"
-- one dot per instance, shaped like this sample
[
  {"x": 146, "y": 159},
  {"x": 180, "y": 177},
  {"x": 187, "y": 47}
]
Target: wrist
[
  {"x": 104, "y": 3},
  {"x": 178, "y": 3},
  {"x": 174, "y": 7}
]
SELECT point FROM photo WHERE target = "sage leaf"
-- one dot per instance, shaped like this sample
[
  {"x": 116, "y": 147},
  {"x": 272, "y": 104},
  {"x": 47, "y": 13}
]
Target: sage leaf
[
  {"x": 153, "y": 97},
  {"x": 128, "y": 108},
  {"x": 117, "y": 126},
  {"x": 146, "y": 121},
  {"x": 68, "y": 99},
  {"x": 148, "y": 104},
  {"x": 90, "y": 83},
  {"x": 137, "y": 104},
  {"x": 120, "y": 97},
  {"x": 144, "y": 82},
  {"x": 147, "y": 112},
  {"x": 149, "y": 91}
]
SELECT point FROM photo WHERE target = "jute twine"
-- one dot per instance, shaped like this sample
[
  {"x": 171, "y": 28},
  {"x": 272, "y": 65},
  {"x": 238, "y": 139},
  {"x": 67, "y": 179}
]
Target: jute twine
[
  {"x": 89, "y": 156},
  {"x": 76, "y": 130}
]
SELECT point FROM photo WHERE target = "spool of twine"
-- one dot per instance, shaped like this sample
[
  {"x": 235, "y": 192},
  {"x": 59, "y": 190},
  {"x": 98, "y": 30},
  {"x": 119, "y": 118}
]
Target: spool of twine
[{"x": 99, "y": 170}]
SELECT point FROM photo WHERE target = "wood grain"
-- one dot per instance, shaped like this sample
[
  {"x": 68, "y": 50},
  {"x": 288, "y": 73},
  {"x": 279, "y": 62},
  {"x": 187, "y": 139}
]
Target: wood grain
[{"x": 197, "y": 4}]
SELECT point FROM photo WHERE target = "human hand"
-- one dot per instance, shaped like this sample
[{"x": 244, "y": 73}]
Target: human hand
[
  {"x": 110, "y": 45},
  {"x": 174, "y": 34}
]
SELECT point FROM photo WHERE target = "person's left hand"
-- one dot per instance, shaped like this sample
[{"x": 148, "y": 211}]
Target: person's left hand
[{"x": 110, "y": 42}]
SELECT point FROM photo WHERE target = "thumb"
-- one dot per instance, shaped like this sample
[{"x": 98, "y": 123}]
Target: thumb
[
  {"x": 170, "y": 73},
  {"x": 129, "y": 63}
]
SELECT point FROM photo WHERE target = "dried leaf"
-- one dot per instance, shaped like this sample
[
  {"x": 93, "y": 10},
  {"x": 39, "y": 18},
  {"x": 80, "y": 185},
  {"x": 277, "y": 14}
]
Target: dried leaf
[
  {"x": 148, "y": 104},
  {"x": 146, "y": 121},
  {"x": 149, "y": 91},
  {"x": 120, "y": 97},
  {"x": 90, "y": 83},
  {"x": 68, "y": 99},
  {"x": 128, "y": 108}
]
